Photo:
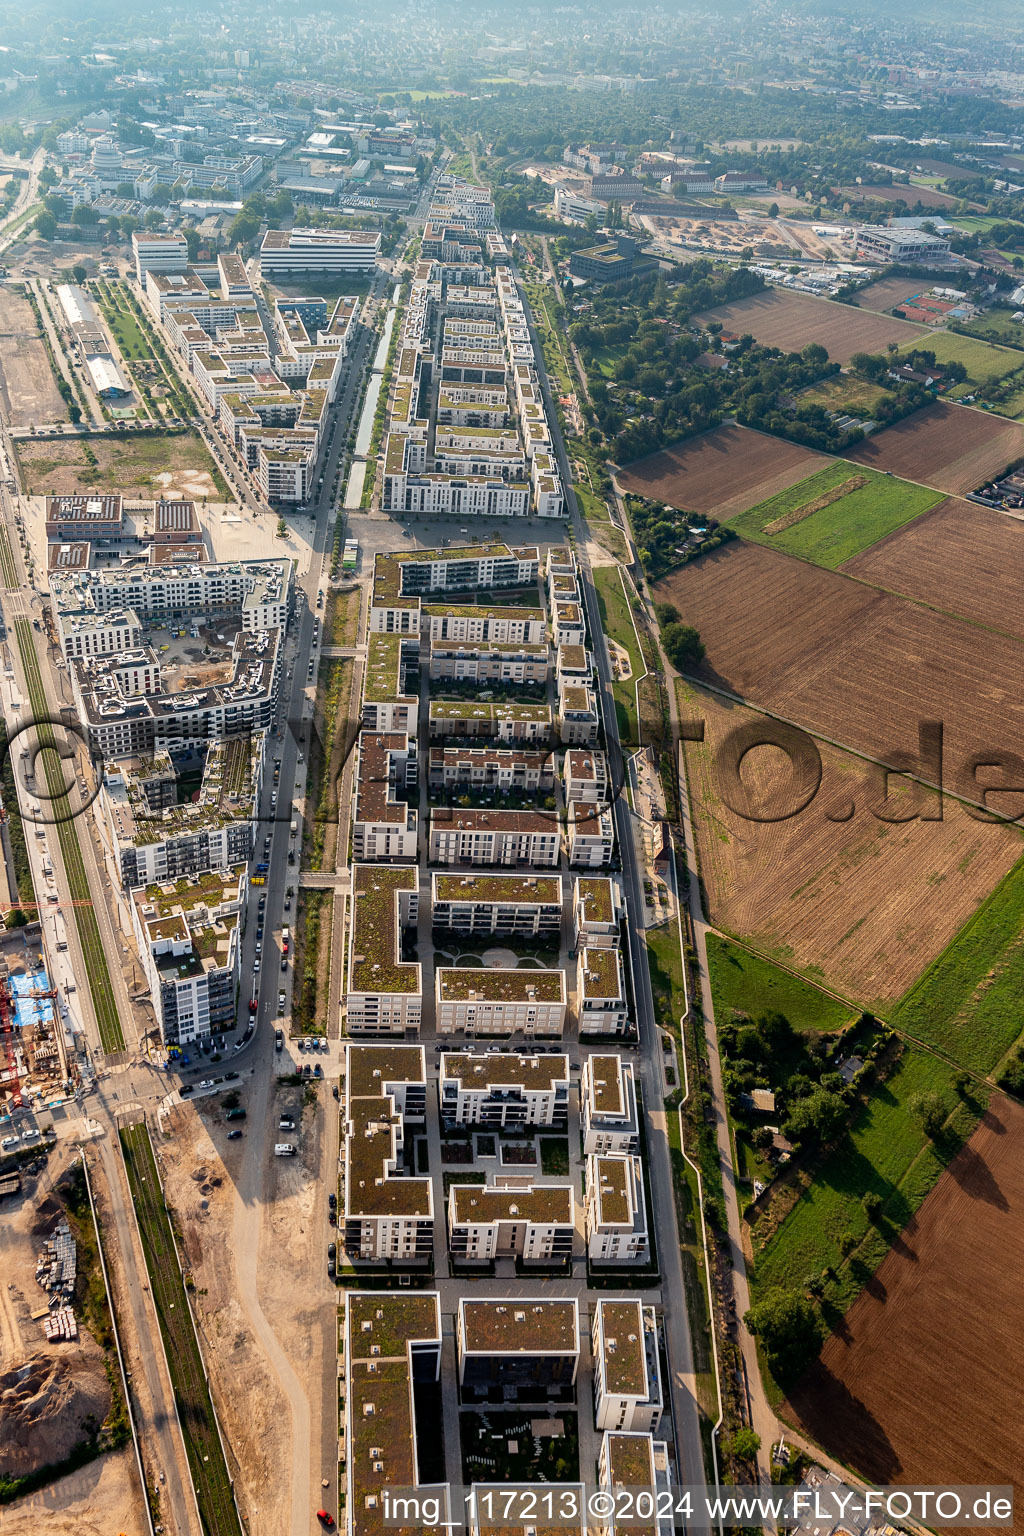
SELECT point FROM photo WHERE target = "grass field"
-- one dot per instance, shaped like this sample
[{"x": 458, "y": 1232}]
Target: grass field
[
  {"x": 191, "y": 1393},
  {"x": 144, "y": 464},
  {"x": 983, "y": 361},
  {"x": 111, "y": 1034},
  {"x": 844, "y": 392},
  {"x": 618, "y": 623},
  {"x": 885, "y": 1152},
  {"x": 998, "y": 325},
  {"x": 745, "y": 982},
  {"x": 967, "y": 1003},
  {"x": 844, "y": 528}
]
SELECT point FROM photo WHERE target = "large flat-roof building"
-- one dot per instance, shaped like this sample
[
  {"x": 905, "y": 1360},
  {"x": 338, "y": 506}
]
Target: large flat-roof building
[
  {"x": 608, "y": 1106},
  {"x": 514, "y": 839},
  {"x": 187, "y": 937},
  {"x": 83, "y": 516},
  {"x": 385, "y": 992},
  {"x": 385, "y": 823},
  {"x": 387, "y": 1214},
  {"x": 319, "y": 250},
  {"x": 627, "y": 1372},
  {"x": 504, "y": 1091},
  {"x": 615, "y": 1215},
  {"x": 598, "y": 910},
  {"x": 498, "y": 1002},
  {"x": 523, "y": 1350},
  {"x": 158, "y": 253},
  {"x": 472, "y": 903},
  {"x": 601, "y": 993},
  {"x": 535, "y": 1224}
]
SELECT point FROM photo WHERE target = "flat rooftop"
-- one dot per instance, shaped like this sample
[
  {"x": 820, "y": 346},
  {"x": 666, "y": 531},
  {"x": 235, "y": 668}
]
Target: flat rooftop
[
  {"x": 502, "y": 1070},
  {"x": 607, "y": 1092},
  {"x": 522, "y": 1326},
  {"x": 468, "y": 984},
  {"x": 368, "y": 1068},
  {"x": 594, "y": 897},
  {"x": 375, "y": 943},
  {"x": 532, "y": 890},
  {"x": 621, "y": 1339},
  {"x": 543, "y": 1204}
]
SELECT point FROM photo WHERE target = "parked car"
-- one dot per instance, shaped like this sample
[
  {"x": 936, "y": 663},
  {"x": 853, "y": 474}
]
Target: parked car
[
  {"x": 186, "y": 1088},
  {"x": 234, "y": 1135}
]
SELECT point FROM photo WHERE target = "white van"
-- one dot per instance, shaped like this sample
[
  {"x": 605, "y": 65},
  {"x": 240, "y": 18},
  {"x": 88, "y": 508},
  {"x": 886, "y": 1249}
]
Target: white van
[{"x": 285, "y": 1149}]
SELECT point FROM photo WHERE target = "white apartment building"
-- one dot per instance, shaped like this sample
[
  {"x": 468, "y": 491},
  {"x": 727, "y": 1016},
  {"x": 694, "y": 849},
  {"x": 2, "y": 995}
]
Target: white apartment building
[
  {"x": 498, "y": 721},
  {"x": 158, "y": 253},
  {"x": 615, "y": 1220},
  {"x": 387, "y": 707},
  {"x": 567, "y": 624},
  {"x": 504, "y": 1091},
  {"x": 319, "y": 250},
  {"x": 635, "y": 1461},
  {"x": 579, "y": 718},
  {"x": 608, "y": 1106},
  {"x": 188, "y": 946},
  {"x": 533, "y": 1223},
  {"x": 385, "y": 992},
  {"x": 488, "y": 662},
  {"x": 385, "y": 1216},
  {"x": 529, "y": 1346},
  {"x": 591, "y": 835},
  {"x": 508, "y": 838},
  {"x": 627, "y": 1378},
  {"x": 586, "y": 776},
  {"x": 473, "y": 903},
  {"x": 598, "y": 910},
  {"x": 385, "y": 822},
  {"x": 501, "y": 769},
  {"x": 493, "y": 1002},
  {"x": 499, "y": 626},
  {"x": 601, "y": 993}
]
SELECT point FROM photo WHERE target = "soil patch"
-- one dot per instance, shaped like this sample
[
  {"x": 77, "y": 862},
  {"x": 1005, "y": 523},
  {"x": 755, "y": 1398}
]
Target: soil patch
[
  {"x": 951, "y": 447},
  {"x": 724, "y": 471}
]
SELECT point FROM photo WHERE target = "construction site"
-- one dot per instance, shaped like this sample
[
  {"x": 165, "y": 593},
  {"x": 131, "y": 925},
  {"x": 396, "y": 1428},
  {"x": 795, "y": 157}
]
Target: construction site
[{"x": 35, "y": 1069}]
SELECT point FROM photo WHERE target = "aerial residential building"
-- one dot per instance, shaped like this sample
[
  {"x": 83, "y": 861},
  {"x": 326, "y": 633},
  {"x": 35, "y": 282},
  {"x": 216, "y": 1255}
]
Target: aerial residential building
[
  {"x": 499, "y": 1002},
  {"x": 386, "y": 704},
  {"x": 591, "y": 834},
  {"x": 520, "y": 839},
  {"x": 387, "y": 1216},
  {"x": 586, "y": 776},
  {"x": 385, "y": 992},
  {"x": 627, "y": 1377},
  {"x": 385, "y": 824},
  {"x": 497, "y": 721},
  {"x": 492, "y": 768},
  {"x": 579, "y": 718},
  {"x": 598, "y": 910},
  {"x": 533, "y": 1223},
  {"x": 600, "y": 993},
  {"x": 608, "y": 1106},
  {"x": 567, "y": 624},
  {"x": 614, "y": 1213},
  {"x": 573, "y": 664},
  {"x": 319, "y": 250},
  {"x": 506, "y": 1091},
  {"x": 635, "y": 1461},
  {"x": 488, "y": 662},
  {"x": 82, "y": 516},
  {"x": 392, "y": 1345},
  {"x": 527, "y": 1347},
  {"x": 473, "y": 903},
  {"x": 500, "y": 626},
  {"x": 158, "y": 253},
  {"x": 187, "y": 938}
]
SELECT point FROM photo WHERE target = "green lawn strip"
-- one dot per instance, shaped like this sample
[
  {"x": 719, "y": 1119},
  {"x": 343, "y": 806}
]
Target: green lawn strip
[
  {"x": 750, "y": 984},
  {"x": 191, "y": 1392},
  {"x": 846, "y": 527},
  {"x": 111, "y": 1034},
  {"x": 691, "y": 1253},
  {"x": 593, "y": 506},
  {"x": 996, "y": 325},
  {"x": 983, "y": 359},
  {"x": 967, "y": 1003},
  {"x": 885, "y": 1152},
  {"x": 617, "y": 621}
]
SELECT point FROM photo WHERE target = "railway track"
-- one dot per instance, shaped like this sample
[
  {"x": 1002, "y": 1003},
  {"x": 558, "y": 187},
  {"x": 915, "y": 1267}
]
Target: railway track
[{"x": 196, "y": 1415}]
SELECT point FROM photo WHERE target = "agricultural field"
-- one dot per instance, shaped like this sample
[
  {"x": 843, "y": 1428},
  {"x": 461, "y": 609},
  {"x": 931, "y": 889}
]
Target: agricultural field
[
  {"x": 835, "y": 513},
  {"x": 858, "y": 666},
  {"x": 983, "y": 361},
  {"x": 743, "y": 982},
  {"x": 858, "y": 904},
  {"x": 959, "y": 557},
  {"x": 143, "y": 464},
  {"x": 845, "y": 392},
  {"x": 900, "y": 1394},
  {"x": 951, "y": 447},
  {"x": 882, "y": 192},
  {"x": 28, "y": 390},
  {"x": 883, "y": 294},
  {"x": 885, "y": 1152},
  {"x": 779, "y": 318},
  {"x": 968, "y": 1001},
  {"x": 998, "y": 325},
  {"x": 723, "y": 471}
]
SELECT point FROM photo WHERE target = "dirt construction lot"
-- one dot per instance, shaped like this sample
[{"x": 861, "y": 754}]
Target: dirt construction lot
[
  {"x": 101, "y": 1499},
  {"x": 854, "y": 664},
  {"x": 143, "y": 464},
  {"x": 922, "y": 1384},
  {"x": 28, "y": 392},
  {"x": 887, "y": 291},
  {"x": 723, "y": 471},
  {"x": 959, "y": 557},
  {"x": 951, "y": 447},
  {"x": 865, "y": 903},
  {"x": 791, "y": 320}
]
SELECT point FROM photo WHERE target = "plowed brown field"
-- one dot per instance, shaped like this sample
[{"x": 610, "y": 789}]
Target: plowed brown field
[
  {"x": 860, "y": 666},
  {"x": 922, "y": 1383},
  {"x": 776, "y": 318},
  {"x": 960, "y": 557},
  {"x": 865, "y": 903},
  {"x": 948, "y": 446},
  {"x": 723, "y": 471}
]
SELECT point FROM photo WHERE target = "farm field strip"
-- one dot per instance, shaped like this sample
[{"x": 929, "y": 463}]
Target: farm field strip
[
  {"x": 857, "y": 904},
  {"x": 196, "y": 1413},
  {"x": 746, "y": 982},
  {"x": 900, "y": 1394},
  {"x": 723, "y": 471},
  {"x": 951, "y": 447},
  {"x": 111, "y": 1033},
  {"x": 840, "y": 528},
  {"x": 790, "y": 321}
]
